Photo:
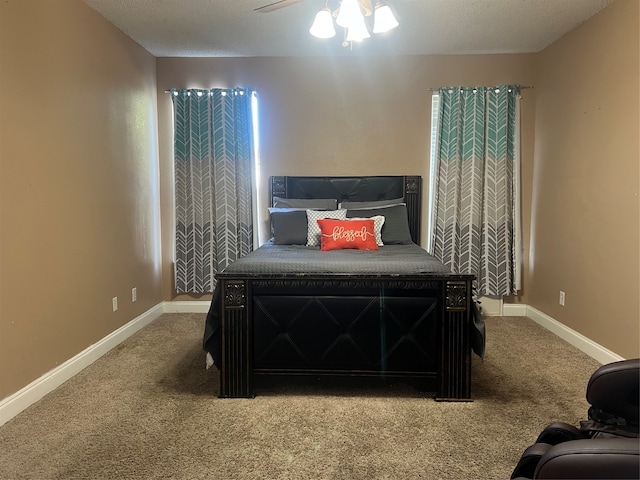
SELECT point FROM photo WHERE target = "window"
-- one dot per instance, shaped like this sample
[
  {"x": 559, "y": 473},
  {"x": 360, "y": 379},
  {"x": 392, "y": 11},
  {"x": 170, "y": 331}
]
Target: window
[{"x": 435, "y": 113}]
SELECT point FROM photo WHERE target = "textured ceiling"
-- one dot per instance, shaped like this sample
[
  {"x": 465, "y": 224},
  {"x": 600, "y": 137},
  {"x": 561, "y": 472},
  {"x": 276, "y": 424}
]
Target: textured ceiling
[{"x": 230, "y": 28}]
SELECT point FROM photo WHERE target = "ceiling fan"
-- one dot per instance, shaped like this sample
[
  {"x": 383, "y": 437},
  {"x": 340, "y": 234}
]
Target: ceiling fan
[
  {"x": 270, "y": 7},
  {"x": 350, "y": 15}
]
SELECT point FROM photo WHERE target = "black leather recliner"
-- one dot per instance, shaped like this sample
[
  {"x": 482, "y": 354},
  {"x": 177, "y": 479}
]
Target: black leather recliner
[{"x": 606, "y": 446}]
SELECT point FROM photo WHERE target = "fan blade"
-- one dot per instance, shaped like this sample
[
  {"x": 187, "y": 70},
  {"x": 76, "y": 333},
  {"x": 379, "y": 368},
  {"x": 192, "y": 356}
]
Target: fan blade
[{"x": 276, "y": 6}]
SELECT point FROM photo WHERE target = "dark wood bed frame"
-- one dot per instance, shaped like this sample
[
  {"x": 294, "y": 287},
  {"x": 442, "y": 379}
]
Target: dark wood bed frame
[{"x": 403, "y": 328}]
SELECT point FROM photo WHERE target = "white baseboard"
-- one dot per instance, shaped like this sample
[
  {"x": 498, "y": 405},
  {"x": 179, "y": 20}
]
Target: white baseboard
[
  {"x": 187, "y": 307},
  {"x": 514, "y": 310},
  {"x": 491, "y": 306},
  {"x": 588, "y": 346},
  {"x": 27, "y": 396}
]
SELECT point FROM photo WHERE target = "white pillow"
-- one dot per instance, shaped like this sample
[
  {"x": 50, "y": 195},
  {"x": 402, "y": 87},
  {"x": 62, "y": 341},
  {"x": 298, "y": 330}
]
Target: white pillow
[
  {"x": 313, "y": 229},
  {"x": 378, "y": 222}
]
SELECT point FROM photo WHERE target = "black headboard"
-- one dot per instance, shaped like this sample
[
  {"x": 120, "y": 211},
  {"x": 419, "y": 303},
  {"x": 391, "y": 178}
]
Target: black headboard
[{"x": 356, "y": 189}]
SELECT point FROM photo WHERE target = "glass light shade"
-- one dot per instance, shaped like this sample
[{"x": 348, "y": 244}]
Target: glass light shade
[
  {"x": 349, "y": 13},
  {"x": 323, "y": 25},
  {"x": 358, "y": 31},
  {"x": 383, "y": 19}
]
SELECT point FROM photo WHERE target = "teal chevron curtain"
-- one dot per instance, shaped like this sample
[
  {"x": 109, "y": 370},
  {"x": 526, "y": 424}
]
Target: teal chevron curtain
[
  {"x": 214, "y": 183},
  {"x": 476, "y": 186}
]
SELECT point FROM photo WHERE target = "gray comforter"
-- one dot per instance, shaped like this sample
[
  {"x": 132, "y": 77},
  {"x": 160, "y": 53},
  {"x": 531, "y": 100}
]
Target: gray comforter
[{"x": 399, "y": 260}]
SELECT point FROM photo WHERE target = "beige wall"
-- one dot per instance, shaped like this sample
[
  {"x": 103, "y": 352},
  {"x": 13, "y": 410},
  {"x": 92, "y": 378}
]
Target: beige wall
[
  {"x": 78, "y": 184},
  {"x": 585, "y": 180},
  {"x": 336, "y": 116}
]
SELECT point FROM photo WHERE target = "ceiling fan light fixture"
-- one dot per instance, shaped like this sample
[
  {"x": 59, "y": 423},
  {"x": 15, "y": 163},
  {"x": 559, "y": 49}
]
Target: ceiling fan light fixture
[
  {"x": 357, "y": 31},
  {"x": 323, "y": 24},
  {"x": 349, "y": 13},
  {"x": 383, "y": 19}
]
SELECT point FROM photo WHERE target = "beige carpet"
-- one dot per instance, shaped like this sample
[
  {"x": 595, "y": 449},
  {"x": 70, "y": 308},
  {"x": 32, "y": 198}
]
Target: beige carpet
[{"x": 148, "y": 409}]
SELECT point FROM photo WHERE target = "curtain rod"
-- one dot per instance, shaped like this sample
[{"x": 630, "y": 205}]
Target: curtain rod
[
  {"x": 213, "y": 88},
  {"x": 523, "y": 87},
  {"x": 429, "y": 89}
]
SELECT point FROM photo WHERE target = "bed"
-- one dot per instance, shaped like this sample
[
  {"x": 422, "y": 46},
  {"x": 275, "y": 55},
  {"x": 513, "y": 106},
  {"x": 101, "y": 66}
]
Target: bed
[{"x": 290, "y": 310}]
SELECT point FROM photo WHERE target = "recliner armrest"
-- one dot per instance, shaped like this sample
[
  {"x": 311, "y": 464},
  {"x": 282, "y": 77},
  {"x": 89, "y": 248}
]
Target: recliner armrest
[
  {"x": 529, "y": 460},
  {"x": 558, "y": 432},
  {"x": 607, "y": 458}
]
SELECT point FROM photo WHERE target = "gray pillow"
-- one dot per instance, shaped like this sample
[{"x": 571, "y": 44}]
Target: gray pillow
[
  {"x": 395, "y": 230},
  {"x": 288, "y": 226},
  {"x": 313, "y": 203},
  {"x": 374, "y": 203}
]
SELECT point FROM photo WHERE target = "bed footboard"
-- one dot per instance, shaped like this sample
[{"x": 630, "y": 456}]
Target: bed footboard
[{"x": 415, "y": 329}]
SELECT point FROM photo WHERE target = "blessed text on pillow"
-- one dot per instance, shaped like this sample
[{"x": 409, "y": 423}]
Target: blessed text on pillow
[{"x": 347, "y": 234}]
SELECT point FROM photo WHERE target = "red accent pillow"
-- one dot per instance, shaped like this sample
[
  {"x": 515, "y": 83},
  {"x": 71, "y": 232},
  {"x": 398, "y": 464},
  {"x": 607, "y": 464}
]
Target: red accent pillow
[{"x": 344, "y": 234}]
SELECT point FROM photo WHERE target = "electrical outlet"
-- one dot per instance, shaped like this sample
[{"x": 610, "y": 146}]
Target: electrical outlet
[
  {"x": 114, "y": 302},
  {"x": 134, "y": 294},
  {"x": 561, "y": 298}
]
